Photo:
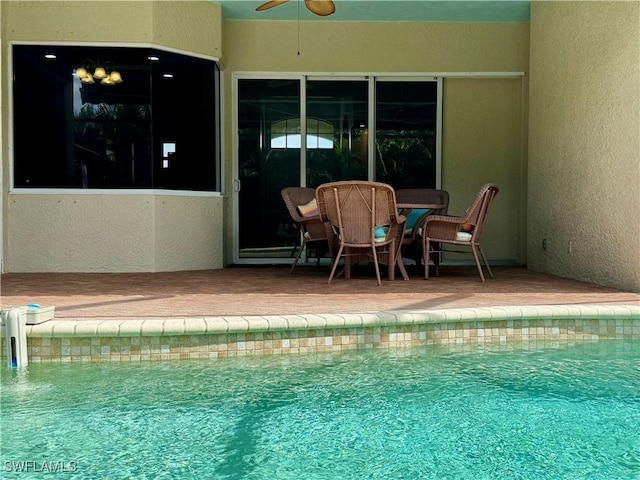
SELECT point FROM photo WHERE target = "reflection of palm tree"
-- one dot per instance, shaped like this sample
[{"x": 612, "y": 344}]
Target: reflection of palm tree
[
  {"x": 380, "y": 153},
  {"x": 103, "y": 128},
  {"x": 403, "y": 154},
  {"x": 118, "y": 111},
  {"x": 108, "y": 116}
]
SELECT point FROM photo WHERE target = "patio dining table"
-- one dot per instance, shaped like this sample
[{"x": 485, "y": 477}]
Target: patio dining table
[
  {"x": 412, "y": 206},
  {"x": 405, "y": 209}
]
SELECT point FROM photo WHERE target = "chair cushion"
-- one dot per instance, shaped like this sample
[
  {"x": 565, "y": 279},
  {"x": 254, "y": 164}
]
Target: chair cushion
[
  {"x": 413, "y": 217},
  {"x": 309, "y": 209},
  {"x": 380, "y": 234},
  {"x": 463, "y": 236}
]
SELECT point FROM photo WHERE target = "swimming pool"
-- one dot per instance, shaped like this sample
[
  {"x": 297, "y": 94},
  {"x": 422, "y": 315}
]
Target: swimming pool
[{"x": 488, "y": 412}]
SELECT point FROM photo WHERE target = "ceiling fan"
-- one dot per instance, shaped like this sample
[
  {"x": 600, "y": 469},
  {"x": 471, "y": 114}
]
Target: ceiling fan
[{"x": 319, "y": 7}]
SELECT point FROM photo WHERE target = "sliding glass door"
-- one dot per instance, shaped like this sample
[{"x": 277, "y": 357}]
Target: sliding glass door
[
  {"x": 305, "y": 131},
  {"x": 268, "y": 160}
]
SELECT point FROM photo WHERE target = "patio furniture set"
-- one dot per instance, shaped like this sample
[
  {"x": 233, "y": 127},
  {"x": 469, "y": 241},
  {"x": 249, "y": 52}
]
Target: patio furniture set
[{"x": 362, "y": 221}]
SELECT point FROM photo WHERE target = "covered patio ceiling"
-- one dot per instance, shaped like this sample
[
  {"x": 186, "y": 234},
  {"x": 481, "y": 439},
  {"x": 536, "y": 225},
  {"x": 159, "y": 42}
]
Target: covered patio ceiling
[{"x": 386, "y": 11}]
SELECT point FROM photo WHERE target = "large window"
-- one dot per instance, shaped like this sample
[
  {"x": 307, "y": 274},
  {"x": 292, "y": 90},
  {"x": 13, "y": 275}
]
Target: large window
[{"x": 153, "y": 123}]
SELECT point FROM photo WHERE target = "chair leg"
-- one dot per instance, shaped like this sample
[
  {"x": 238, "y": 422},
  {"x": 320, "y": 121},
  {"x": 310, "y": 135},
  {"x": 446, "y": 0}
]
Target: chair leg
[
  {"x": 486, "y": 264},
  {"x": 335, "y": 264},
  {"x": 400, "y": 265},
  {"x": 436, "y": 259},
  {"x": 375, "y": 262},
  {"x": 426, "y": 255},
  {"x": 475, "y": 255},
  {"x": 295, "y": 262}
]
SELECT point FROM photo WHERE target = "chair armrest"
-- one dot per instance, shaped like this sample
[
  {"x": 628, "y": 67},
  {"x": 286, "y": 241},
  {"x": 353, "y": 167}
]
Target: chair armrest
[{"x": 441, "y": 227}]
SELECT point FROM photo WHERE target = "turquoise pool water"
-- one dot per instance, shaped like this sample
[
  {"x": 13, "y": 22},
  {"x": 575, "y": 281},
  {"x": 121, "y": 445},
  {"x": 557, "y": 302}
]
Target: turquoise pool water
[{"x": 428, "y": 413}]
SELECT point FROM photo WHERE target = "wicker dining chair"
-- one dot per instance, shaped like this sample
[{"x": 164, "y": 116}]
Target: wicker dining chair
[
  {"x": 300, "y": 205},
  {"x": 366, "y": 222},
  {"x": 412, "y": 240},
  {"x": 465, "y": 230}
]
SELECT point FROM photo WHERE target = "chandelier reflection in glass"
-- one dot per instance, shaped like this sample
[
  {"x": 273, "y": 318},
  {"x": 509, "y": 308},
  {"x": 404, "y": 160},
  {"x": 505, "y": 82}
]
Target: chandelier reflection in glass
[{"x": 90, "y": 72}]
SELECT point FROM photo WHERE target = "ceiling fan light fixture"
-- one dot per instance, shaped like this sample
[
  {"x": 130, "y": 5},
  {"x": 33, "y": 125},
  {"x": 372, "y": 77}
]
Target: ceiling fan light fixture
[
  {"x": 270, "y": 4},
  {"x": 318, "y": 7},
  {"x": 321, "y": 7}
]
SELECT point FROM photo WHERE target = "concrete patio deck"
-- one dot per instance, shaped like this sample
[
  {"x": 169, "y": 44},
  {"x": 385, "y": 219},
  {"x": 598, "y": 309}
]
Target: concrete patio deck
[{"x": 271, "y": 290}]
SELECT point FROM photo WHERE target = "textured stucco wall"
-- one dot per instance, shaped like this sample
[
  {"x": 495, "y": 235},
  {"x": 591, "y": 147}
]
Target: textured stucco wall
[
  {"x": 188, "y": 25},
  {"x": 119, "y": 233},
  {"x": 483, "y": 143},
  {"x": 485, "y": 120},
  {"x": 177, "y": 233},
  {"x": 44, "y": 233},
  {"x": 584, "y": 150},
  {"x": 77, "y": 21},
  {"x": 109, "y": 233},
  {"x": 327, "y": 46}
]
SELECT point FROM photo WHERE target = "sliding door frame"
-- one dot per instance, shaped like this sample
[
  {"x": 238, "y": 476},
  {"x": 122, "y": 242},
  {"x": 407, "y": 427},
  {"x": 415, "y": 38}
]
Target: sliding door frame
[{"x": 371, "y": 151}]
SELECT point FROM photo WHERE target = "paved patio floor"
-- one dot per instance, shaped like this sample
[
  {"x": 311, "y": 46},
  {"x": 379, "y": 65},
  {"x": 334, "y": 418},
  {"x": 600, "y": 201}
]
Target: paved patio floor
[{"x": 271, "y": 290}]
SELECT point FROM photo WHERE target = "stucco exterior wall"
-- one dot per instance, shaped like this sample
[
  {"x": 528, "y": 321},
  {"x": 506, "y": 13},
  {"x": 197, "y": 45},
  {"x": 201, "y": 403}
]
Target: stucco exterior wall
[
  {"x": 327, "y": 46},
  {"x": 180, "y": 223},
  {"x": 485, "y": 119},
  {"x": 483, "y": 142},
  {"x": 584, "y": 153},
  {"x": 192, "y": 26},
  {"x": 157, "y": 233},
  {"x": 100, "y": 232}
]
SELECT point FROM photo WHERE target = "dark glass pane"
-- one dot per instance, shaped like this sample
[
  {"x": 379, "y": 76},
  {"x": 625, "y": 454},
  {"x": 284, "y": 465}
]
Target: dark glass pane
[
  {"x": 183, "y": 115},
  {"x": 406, "y": 133},
  {"x": 112, "y": 123},
  {"x": 266, "y": 229},
  {"x": 69, "y": 133},
  {"x": 342, "y": 105},
  {"x": 72, "y": 134}
]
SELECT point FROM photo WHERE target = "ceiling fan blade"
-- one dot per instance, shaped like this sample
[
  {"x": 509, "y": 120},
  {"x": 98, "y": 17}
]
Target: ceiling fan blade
[
  {"x": 270, "y": 4},
  {"x": 321, "y": 7}
]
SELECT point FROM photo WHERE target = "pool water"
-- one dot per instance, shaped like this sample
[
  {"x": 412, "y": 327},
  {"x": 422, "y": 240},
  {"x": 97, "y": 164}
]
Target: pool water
[{"x": 425, "y": 413}]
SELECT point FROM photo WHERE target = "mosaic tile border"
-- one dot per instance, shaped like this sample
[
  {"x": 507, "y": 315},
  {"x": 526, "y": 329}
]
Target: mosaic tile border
[{"x": 211, "y": 338}]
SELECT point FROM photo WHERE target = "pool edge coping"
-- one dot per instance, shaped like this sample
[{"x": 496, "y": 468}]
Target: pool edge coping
[{"x": 216, "y": 325}]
